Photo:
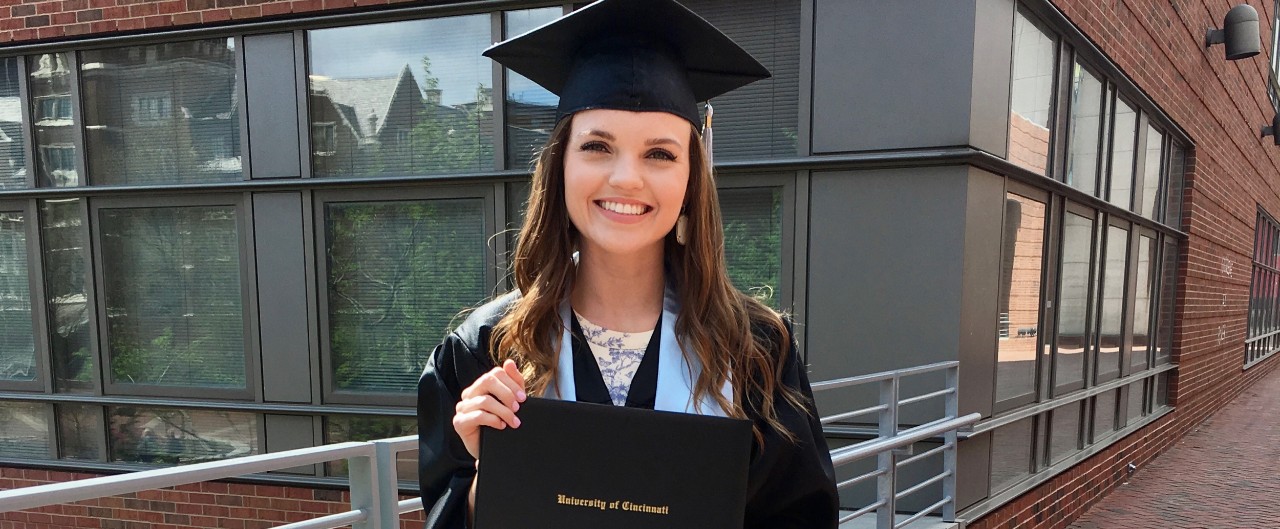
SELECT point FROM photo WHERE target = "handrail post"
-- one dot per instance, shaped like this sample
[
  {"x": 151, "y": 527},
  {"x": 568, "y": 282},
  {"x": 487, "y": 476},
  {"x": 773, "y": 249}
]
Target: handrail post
[
  {"x": 387, "y": 484},
  {"x": 362, "y": 478},
  {"x": 886, "y": 483},
  {"x": 949, "y": 461}
]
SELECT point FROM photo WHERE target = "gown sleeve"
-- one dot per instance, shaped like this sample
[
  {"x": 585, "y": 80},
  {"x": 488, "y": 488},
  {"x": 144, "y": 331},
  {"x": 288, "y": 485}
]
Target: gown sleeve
[
  {"x": 792, "y": 484},
  {"x": 445, "y": 468}
]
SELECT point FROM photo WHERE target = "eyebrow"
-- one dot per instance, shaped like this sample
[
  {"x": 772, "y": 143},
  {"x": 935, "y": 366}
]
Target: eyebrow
[{"x": 650, "y": 142}]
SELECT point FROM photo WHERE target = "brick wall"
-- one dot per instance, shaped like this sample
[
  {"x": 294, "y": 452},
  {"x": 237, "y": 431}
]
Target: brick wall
[
  {"x": 24, "y": 21},
  {"x": 200, "y": 505},
  {"x": 1220, "y": 104}
]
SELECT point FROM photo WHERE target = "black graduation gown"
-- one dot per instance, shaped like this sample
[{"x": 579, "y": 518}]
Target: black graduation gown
[{"x": 789, "y": 485}]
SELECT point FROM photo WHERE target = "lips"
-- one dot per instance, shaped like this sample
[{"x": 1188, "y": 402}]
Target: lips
[{"x": 623, "y": 208}]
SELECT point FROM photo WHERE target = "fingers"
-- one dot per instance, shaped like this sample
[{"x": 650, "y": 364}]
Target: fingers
[{"x": 504, "y": 383}]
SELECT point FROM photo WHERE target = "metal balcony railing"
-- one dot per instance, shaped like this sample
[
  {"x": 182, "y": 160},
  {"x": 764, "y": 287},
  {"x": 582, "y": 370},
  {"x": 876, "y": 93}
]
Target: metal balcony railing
[
  {"x": 892, "y": 446},
  {"x": 374, "y": 483}
]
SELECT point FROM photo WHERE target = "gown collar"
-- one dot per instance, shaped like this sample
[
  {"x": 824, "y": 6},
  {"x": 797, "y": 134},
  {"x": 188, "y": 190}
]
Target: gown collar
[{"x": 676, "y": 370}]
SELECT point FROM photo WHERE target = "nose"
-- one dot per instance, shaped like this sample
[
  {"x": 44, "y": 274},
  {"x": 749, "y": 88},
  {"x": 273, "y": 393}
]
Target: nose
[{"x": 628, "y": 174}]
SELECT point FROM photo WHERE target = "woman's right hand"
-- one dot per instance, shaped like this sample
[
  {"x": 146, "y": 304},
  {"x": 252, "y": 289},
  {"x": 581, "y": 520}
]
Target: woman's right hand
[{"x": 492, "y": 400}]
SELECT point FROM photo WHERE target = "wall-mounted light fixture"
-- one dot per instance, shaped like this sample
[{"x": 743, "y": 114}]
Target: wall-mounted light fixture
[
  {"x": 1239, "y": 32},
  {"x": 1270, "y": 130}
]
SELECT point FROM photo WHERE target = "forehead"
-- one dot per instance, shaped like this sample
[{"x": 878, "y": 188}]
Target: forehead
[{"x": 625, "y": 124}]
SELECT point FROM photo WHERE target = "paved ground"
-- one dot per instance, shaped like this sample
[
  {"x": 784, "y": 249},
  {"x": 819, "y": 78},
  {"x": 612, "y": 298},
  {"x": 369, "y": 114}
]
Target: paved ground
[{"x": 1224, "y": 474}]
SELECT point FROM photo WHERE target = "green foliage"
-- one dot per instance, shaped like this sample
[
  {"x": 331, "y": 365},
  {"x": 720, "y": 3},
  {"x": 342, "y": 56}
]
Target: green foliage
[{"x": 753, "y": 242}]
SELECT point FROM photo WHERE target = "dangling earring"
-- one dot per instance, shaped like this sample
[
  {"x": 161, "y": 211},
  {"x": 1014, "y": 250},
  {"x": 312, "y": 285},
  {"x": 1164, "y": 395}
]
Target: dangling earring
[{"x": 682, "y": 229}]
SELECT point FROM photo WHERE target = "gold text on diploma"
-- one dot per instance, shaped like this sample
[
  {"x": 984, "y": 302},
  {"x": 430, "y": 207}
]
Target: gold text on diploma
[{"x": 596, "y": 503}]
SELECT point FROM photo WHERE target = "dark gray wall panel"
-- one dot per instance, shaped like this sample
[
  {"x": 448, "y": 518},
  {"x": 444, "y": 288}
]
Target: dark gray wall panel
[
  {"x": 289, "y": 432},
  {"x": 890, "y": 75},
  {"x": 282, "y": 297},
  {"x": 973, "y": 470},
  {"x": 992, "y": 60},
  {"x": 885, "y": 275},
  {"x": 272, "y": 106},
  {"x": 980, "y": 291}
]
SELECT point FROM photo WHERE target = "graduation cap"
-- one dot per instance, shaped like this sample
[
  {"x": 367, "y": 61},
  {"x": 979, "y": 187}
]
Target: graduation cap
[{"x": 638, "y": 55}]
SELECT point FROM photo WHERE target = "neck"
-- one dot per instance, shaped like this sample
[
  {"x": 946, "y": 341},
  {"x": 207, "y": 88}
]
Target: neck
[{"x": 619, "y": 292}]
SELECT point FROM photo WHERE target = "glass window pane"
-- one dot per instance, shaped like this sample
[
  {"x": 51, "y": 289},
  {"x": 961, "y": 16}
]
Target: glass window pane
[
  {"x": 401, "y": 98},
  {"x": 1010, "y": 454},
  {"x": 1137, "y": 395},
  {"x": 13, "y": 150},
  {"x": 1168, "y": 293},
  {"x": 1122, "y": 155},
  {"x": 399, "y": 272},
  {"x": 163, "y": 113},
  {"x": 1142, "y": 303},
  {"x": 17, "y": 342},
  {"x": 1151, "y": 172},
  {"x": 24, "y": 430},
  {"x": 1064, "y": 433},
  {"x": 531, "y": 109},
  {"x": 752, "y": 220},
  {"x": 1173, "y": 197},
  {"x": 1104, "y": 414},
  {"x": 761, "y": 119},
  {"x": 1019, "y": 304},
  {"x": 343, "y": 428},
  {"x": 1086, "y": 126},
  {"x": 167, "y": 436},
  {"x": 1162, "y": 390},
  {"x": 80, "y": 431},
  {"x": 1031, "y": 94},
  {"x": 173, "y": 302},
  {"x": 1073, "y": 336},
  {"x": 63, "y": 236},
  {"x": 49, "y": 78},
  {"x": 1111, "y": 337}
]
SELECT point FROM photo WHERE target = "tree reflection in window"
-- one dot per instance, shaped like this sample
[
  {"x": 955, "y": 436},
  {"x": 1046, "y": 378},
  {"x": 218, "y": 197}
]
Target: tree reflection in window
[{"x": 398, "y": 274}]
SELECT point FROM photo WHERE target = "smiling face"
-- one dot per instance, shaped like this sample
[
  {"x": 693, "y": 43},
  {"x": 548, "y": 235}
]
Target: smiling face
[{"x": 625, "y": 177}]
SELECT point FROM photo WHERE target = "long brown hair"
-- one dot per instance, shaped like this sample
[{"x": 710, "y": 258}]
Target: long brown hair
[{"x": 733, "y": 336}]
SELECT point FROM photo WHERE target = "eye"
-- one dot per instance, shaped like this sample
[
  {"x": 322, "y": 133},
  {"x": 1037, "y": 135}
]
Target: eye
[
  {"x": 597, "y": 146},
  {"x": 661, "y": 154}
]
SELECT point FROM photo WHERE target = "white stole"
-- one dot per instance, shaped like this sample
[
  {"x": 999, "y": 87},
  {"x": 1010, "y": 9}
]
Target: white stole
[{"x": 676, "y": 370}]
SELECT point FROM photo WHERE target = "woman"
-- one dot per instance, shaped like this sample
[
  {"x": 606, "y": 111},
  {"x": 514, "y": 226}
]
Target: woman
[{"x": 626, "y": 184}]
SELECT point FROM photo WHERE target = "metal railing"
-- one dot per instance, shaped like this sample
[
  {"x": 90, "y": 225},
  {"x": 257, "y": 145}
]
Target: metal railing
[
  {"x": 374, "y": 481},
  {"x": 891, "y": 447},
  {"x": 371, "y": 465}
]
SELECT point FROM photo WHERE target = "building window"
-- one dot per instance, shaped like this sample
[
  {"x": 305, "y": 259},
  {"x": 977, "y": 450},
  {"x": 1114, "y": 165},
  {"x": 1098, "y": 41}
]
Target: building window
[
  {"x": 324, "y": 138},
  {"x": 163, "y": 115},
  {"x": 1022, "y": 255},
  {"x": 1075, "y": 283},
  {"x": 172, "y": 299},
  {"x": 752, "y": 218},
  {"x": 49, "y": 80},
  {"x": 170, "y": 436},
  {"x": 377, "y": 102},
  {"x": 17, "y": 343},
  {"x": 1264, "y": 292},
  {"x": 63, "y": 237},
  {"x": 1031, "y": 94},
  {"x": 1124, "y": 137},
  {"x": 1086, "y": 130},
  {"x": 1274, "y": 85},
  {"x": 398, "y": 272},
  {"x": 24, "y": 430},
  {"x": 13, "y": 159}
]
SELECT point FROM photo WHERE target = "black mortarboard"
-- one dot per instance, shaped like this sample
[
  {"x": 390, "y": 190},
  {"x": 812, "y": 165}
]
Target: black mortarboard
[{"x": 640, "y": 55}]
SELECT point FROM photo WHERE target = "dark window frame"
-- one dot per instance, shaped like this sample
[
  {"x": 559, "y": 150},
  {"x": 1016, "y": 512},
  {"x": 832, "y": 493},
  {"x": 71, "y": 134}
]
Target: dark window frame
[
  {"x": 1045, "y": 317},
  {"x": 1262, "y": 338}
]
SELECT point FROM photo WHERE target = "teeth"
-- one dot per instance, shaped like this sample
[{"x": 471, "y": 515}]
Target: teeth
[{"x": 625, "y": 209}]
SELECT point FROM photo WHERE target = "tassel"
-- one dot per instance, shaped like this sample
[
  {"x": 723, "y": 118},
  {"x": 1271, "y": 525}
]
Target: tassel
[{"x": 708, "y": 142}]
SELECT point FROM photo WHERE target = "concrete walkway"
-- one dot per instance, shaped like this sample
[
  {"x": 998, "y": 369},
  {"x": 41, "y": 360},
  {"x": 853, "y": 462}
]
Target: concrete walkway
[{"x": 1223, "y": 474}]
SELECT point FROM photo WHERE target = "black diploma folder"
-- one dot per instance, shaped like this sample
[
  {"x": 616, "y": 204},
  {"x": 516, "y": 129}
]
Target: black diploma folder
[{"x": 572, "y": 465}]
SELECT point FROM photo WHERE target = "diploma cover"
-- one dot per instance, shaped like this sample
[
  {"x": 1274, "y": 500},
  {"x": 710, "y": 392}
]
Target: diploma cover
[{"x": 573, "y": 465}]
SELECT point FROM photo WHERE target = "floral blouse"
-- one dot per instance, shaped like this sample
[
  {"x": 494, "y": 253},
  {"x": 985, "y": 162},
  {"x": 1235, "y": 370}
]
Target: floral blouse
[{"x": 618, "y": 354}]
